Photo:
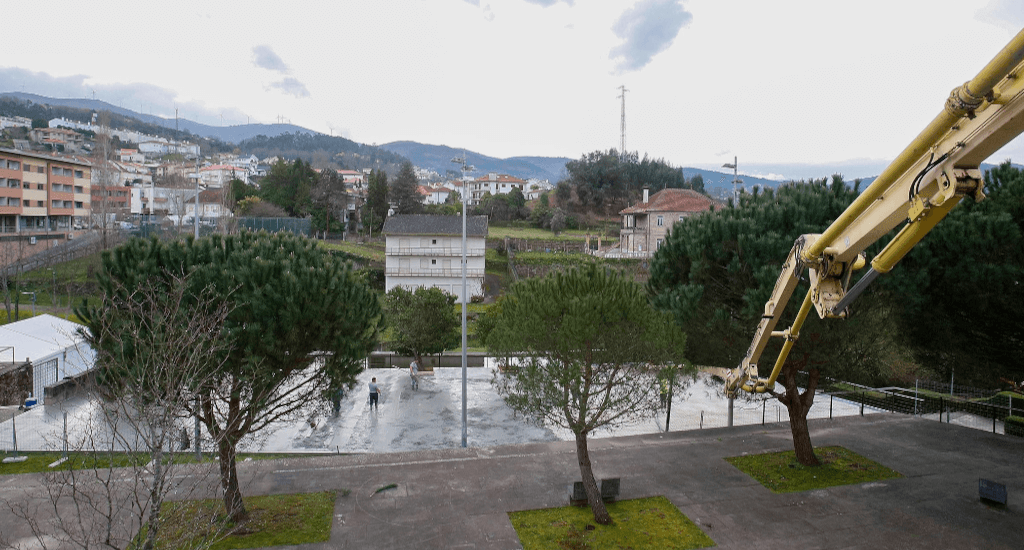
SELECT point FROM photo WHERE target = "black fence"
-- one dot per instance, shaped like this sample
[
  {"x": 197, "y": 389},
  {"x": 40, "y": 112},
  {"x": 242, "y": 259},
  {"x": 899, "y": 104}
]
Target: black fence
[{"x": 929, "y": 398}]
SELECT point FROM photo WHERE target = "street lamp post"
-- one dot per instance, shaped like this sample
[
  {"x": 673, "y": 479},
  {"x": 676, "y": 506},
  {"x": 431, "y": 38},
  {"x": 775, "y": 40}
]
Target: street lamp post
[
  {"x": 196, "y": 217},
  {"x": 465, "y": 170},
  {"x": 736, "y": 204},
  {"x": 735, "y": 181}
]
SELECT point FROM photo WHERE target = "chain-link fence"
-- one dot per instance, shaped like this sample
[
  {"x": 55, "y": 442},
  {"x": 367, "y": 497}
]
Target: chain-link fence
[{"x": 299, "y": 226}]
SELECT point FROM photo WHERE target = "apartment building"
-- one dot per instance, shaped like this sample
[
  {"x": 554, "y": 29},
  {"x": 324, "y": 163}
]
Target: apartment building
[
  {"x": 42, "y": 197},
  {"x": 425, "y": 250}
]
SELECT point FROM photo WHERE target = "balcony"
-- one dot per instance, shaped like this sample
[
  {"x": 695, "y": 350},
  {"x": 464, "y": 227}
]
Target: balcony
[
  {"x": 640, "y": 230},
  {"x": 433, "y": 251},
  {"x": 452, "y": 272}
]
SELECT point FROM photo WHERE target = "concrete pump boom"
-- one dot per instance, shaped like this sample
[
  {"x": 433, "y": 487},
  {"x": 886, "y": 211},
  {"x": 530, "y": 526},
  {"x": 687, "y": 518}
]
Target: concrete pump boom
[{"x": 930, "y": 177}]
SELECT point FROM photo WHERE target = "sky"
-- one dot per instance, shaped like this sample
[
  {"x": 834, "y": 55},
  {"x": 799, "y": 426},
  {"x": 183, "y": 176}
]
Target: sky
[{"x": 777, "y": 85}]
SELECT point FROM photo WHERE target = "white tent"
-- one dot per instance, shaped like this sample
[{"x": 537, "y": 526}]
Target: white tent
[{"x": 51, "y": 344}]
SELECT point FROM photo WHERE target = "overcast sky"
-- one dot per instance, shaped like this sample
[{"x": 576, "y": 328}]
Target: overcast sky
[{"x": 786, "y": 82}]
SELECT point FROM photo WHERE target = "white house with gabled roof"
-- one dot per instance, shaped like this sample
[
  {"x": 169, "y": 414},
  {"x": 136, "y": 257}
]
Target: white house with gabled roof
[{"x": 426, "y": 250}]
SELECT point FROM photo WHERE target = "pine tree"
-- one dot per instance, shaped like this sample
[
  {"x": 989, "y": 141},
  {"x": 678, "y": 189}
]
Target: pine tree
[
  {"x": 714, "y": 272},
  {"x": 375, "y": 211},
  {"x": 404, "y": 192},
  {"x": 585, "y": 344},
  {"x": 299, "y": 326}
]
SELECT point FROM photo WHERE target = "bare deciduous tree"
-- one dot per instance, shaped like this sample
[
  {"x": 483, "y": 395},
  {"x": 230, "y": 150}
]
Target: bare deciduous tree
[{"x": 123, "y": 467}]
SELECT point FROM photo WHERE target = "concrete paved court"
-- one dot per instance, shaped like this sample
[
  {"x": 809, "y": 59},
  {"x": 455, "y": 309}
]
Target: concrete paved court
[
  {"x": 459, "y": 498},
  {"x": 427, "y": 418}
]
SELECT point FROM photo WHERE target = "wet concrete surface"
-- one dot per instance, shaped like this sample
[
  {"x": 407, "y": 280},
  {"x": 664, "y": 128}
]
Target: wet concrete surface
[{"x": 427, "y": 418}]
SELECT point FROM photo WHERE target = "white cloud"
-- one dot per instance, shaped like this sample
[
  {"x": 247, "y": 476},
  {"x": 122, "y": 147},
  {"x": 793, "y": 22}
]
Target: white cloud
[
  {"x": 290, "y": 86},
  {"x": 264, "y": 57},
  {"x": 1008, "y": 14},
  {"x": 647, "y": 29}
]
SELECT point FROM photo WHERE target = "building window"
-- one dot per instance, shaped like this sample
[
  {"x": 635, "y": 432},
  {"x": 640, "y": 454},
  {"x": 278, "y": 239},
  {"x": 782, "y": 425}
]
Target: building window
[
  {"x": 433, "y": 241},
  {"x": 433, "y": 262},
  {"x": 55, "y": 170},
  {"x": 661, "y": 221},
  {"x": 78, "y": 204},
  {"x": 681, "y": 217},
  {"x": 79, "y": 174},
  {"x": 26, "y": 185},
  {"x": 41, "y": 186},
  {"x": 28, "y": 167},
  {"x": 40, "y": 169},
  {"x": 13, "y": 165},
  {"x": 658, "y": 244},
  {"x": 41, "y": 203},
  {"x": 26, "y": 204},
  {"x": 79, "y": 189}
]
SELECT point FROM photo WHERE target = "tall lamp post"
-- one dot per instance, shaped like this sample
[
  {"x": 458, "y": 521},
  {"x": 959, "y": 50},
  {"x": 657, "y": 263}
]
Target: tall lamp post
[
  {"x": 196, "y": 217},
  {"x": 736, "y": 204},
  {"x": 466, "y": 169},
  {"x": 735, "y": 181}
]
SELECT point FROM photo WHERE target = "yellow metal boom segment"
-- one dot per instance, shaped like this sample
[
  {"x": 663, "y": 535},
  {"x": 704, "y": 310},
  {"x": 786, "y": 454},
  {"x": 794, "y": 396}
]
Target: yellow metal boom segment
[{"x": 919, "y": 188}]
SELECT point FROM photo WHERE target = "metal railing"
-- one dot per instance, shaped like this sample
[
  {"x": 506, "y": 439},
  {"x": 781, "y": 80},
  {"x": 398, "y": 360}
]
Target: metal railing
[
  {"x": 432, "y": 251},
  {"x": 432, "y": 272}
]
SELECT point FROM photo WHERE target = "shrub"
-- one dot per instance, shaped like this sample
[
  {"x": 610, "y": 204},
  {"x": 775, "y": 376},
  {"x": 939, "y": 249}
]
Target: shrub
[{"x": 1014, "y": 425}]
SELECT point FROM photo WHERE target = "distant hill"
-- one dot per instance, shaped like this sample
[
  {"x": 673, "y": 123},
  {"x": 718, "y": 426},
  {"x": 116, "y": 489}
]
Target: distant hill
[
  {"x": 719, "y": 184},
  {"x": 230, "y": 134},
  {"x": 321, "y": 148},
  {"x": 439, "y": 158},
  {"x": 263, "y": 140}
]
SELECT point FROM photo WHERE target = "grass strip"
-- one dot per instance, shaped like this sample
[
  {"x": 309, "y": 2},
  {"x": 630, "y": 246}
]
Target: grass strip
[
  {"x": 641, "y": 523},
  {"x": 40, "y": 461},
  {"x": 781, "y": 473},
  {"x": 274, "y": 520}
]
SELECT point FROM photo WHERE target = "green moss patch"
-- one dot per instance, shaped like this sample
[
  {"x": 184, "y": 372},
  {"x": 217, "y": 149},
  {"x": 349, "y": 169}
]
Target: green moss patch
[
  {"x": 781, "y": 473},
  {"x": 641, "y": 523},
  {"x": 274, "y": 520}
]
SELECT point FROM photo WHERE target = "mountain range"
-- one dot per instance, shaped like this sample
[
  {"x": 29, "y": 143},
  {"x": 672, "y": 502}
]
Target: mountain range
[{"x": 439, "y": 157}]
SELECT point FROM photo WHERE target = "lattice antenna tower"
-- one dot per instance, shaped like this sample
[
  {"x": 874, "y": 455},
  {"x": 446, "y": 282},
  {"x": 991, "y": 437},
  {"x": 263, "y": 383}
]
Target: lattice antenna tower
[{"x": 622, "y": 124}]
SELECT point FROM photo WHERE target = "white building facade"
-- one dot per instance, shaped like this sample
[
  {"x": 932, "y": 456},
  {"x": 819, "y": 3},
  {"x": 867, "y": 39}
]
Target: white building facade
[{"x": 425, "y": 250}]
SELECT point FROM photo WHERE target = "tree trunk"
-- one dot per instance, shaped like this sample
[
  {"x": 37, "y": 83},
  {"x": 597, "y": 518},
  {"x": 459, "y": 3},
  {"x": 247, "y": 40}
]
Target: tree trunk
[
  {"x": 155, "y": 499},
  {"x": 798, "y": 406},
  {"x": 233, "y": 504},
  {"x": 589, "y": 483}
]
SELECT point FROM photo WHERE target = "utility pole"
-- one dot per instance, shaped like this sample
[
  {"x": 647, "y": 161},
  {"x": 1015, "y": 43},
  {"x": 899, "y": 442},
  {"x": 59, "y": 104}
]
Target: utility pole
[{"x": 622, "y": 124}]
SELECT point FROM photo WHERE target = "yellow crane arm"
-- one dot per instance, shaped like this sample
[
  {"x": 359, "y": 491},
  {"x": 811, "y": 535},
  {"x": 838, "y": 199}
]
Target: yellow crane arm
[{"x": 923, "y": 184}]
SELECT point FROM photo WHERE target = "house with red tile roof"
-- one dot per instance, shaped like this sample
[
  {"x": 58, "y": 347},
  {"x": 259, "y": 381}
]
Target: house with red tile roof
[
  {"x": 645, "y": 224},
  {"x": 494, "y": 184}
]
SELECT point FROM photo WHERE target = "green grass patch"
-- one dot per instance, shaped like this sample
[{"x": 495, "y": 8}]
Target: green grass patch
[
  {"x": 37, "y": 462},
  {"x": 641, "y": 523},
  {"x": 373, "y": 252},
  {"x": 274, "y": 520},
  {"x": 781, "y": 473},
  {"x": 495, "y": 232}
]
